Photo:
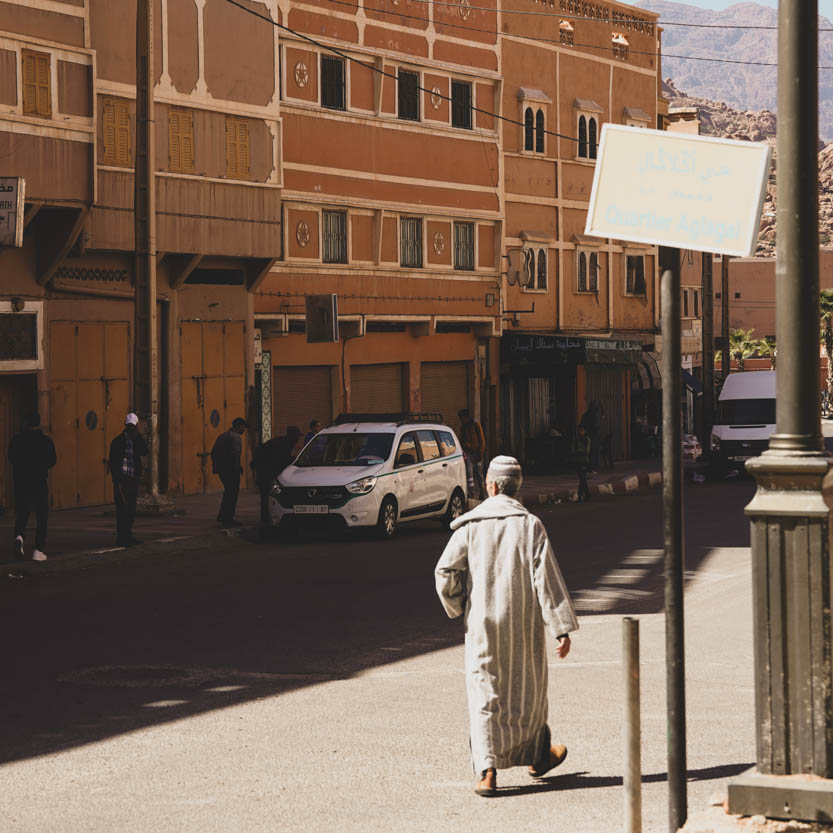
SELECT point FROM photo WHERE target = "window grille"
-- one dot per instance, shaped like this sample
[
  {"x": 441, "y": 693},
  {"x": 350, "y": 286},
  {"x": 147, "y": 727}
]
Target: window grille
[
  {"x": 542, "y": 269},
  {"x": 237, "y": 148},
  {"x": 37, "y": 96},
  {"x": 539, "y": 131},
  {"x": 181, "y": 141},
  {"x": 566, "y": 38},
  {"x": 593, "y": 282},
  {"x": 332, "y": 82},
  {"x": 582, "y": 272},
  {"x": 529, "y": 129},
  {"x": 461, "y": 104},
  {"x": 592, "y": 127},
  {"x": 464, "y": 246},
  {"x": 408, "y": 95},
  {"x": 685, "y": 303},
  {"x": 115, "y": 130},
  {"x": 635, "y": 275},
  {"x": 410, "y": 242},
  {"x": 696, "y": 303},
  {"x": 335, "y": 236},
  {"x": 582, "y": 137}
]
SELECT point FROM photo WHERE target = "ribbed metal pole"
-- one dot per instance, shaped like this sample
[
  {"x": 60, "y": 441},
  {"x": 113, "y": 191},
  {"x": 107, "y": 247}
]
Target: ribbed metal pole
[
  {"x": 672, "y": 500},
  {"x": 633, "y": 727},
  {"x": 708, "y": 348},
  {"x": 725, "y": 356}
]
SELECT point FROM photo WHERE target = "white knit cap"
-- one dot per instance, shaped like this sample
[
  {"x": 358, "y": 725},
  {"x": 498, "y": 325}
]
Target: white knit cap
[
  {"x": 503, "y": 466},
  {"x": 131, "y": 419}
]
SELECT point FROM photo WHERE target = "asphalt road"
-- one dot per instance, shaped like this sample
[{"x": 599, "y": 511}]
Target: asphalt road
[{"x": 317, "y": 686}]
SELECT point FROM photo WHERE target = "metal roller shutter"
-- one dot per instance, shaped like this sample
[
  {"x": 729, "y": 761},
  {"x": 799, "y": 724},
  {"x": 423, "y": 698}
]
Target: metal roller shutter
[
  {"x": 377, "y": 388},
  {"x": 605, "y": 384},
  {"x": 445, "y": 389},
  {"x": 299, "y": 395}
]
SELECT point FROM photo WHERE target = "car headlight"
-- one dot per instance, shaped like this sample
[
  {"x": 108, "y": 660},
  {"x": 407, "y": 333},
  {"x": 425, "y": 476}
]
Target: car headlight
[
  {"x": 361, "y": 487},
  {"x": 715, "y": 444},
  {"x": 276, "y": 488}
]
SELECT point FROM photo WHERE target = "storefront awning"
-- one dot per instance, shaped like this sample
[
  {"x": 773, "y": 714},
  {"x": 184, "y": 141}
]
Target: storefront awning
[{"x": 692, "y": 382}]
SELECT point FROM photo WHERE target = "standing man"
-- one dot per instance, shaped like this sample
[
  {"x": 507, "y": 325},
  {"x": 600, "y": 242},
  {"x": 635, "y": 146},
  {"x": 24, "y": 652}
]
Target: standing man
[
  {"x": 581, "y": 460},
  {"x": 314, "y": 428},
  {"x": 268, "y": 461},
  {"x": 225, "y": 459},
  {"x": 126, "y": 452},
  {"x": 499, "y": 570},
  {"x": 31, "y": 454},
  {"x": 474, "y": 446},
  {"x": 592, "y": 423}
]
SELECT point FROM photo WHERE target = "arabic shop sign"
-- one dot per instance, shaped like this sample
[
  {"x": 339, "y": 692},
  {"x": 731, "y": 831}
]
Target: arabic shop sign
[
  {"x": 12, "y": 190},
  {"x": 677, "y": 190},
  {"x": 523, "y": 349}
]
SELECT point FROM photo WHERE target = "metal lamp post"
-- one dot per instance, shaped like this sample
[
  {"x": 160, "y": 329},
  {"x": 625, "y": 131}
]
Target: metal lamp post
[{"x": 790, "y": 513}]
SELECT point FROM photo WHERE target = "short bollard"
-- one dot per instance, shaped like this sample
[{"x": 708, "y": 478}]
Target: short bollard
[{"x": 633, "y": 731}]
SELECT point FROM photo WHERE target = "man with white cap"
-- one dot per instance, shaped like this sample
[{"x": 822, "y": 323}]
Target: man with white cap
[
  {"x": 499, "y": 570},
  {"x": 126, "y": 452}
]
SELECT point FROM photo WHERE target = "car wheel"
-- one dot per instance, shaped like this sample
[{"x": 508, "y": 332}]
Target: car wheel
[
  {"x": 386, "y": 525},
  {"x": 456, "y": 507}
]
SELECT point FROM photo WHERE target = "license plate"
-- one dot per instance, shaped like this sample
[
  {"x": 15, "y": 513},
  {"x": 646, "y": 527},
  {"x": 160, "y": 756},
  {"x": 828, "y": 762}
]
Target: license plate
[
  {"x": 742, "y": 458},
  {"x": 311, "y": 509}
]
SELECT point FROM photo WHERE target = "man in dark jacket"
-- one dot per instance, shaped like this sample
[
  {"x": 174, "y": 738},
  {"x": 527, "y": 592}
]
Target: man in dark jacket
[
  {"x": 126, "y": 452},
  {"x": 581, "y": 459},
  {"x": 225, "y": 460},
  {"x": 268, "y": 461},
  {"x": 31, "y": 454}
]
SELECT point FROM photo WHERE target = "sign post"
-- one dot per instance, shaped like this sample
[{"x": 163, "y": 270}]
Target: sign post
[{"x": 678, "y": 192}]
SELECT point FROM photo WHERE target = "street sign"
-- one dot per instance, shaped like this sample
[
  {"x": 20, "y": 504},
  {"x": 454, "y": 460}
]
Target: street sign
[
  {"x": 322, "y": 318},
  {"x": 677, "y": 190},
  {"x": 12, "y": 193}
]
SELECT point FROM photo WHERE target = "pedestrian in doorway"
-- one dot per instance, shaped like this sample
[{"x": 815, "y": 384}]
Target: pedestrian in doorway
[
  {"x": 225, "y": 462},
  {"x": 32, "y": 455},
  {"x": 592, "y": 422},
  {"x": 499, "y": 571},
  {"x": 474, "y": 449},
  {"x": 607, "y": 451},
  {"x": 314, "y": 428},
  {"x": 581, "y": 459},
  {"x": 268, "y": 461},
  {"x": 126, "y": 452}
]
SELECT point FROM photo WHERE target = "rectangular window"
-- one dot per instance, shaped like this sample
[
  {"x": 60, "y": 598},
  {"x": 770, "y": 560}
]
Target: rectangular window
[
  {"x": 181, "y": 141},
  {"x": 237, "y": 148},
  {"x": 696, "y": 303},
  {"x": 464, "y": 246},
  {"x": 408, "y": 95},
  {"x": 334, "y": 224},
  {"x": 410, "y": 242},
  {"x": 461, "y": 104},
  {"x": 332, "y": 83},
  {"x": 115, "y": 130},
  {"x": 37, "y": 97},
  {"x": 685, "y": 303},
  {"x": 635, "y": 275}
]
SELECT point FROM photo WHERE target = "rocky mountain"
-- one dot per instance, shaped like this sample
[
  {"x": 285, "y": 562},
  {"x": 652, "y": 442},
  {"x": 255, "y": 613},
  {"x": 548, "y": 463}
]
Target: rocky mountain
[
  {"x": 743, "y": 86},
  {"x": 719, "y": 119}
]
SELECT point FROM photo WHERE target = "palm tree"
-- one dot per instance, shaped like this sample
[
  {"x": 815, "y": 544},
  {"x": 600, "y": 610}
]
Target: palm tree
[
  {"x": 826, "y": 313},
  {"x": 742, "y": 346}
]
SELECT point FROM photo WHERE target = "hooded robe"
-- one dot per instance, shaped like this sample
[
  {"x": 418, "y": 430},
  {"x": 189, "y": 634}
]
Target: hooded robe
[{"x": 499, "y": 570}]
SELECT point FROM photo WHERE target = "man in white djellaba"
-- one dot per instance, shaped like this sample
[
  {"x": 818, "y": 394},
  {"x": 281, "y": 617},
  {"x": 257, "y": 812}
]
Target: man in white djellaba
[{"x": 498, "y": 569}]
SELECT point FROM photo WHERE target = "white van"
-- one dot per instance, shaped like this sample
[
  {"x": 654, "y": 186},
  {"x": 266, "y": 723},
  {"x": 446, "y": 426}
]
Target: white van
[{"x": 744, "y": 420}]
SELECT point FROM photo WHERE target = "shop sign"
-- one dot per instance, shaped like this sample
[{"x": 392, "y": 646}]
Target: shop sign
[
  {"x": 12, "y": 192},
  {"x": 520, "y": 348},
  {"x": 612, "y": 351},
  {"x": 678, "y": 190}
]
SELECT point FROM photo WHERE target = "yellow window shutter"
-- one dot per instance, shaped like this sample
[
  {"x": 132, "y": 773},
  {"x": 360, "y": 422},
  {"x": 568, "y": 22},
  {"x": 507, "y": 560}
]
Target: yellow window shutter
[
  {"x": 108, "y": 129},
  {"x": 186, "y": 141},
  {"x": 122, "y": 132},
  {"x": 30, "y": 84},
  {"x": 242, "y": 149},
  {"x": 44, "y": 100},
  {"x": 231, "y": 147},
  {"x": 174, "y": 146}
]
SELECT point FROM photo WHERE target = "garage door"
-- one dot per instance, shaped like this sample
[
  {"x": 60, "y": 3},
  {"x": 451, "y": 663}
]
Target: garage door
[
  {"x": 301, "y": 394},
  {"x": 377, "y": 388},
  {"x": 445, "y": 389}
]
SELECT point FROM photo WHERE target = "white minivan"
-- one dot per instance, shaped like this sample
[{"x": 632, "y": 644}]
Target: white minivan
[
  {"x": 366, "y": 473},
  {"x": 744, "y": 419}
]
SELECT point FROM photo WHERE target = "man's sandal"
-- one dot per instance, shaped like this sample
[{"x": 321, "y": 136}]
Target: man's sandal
[{"x": 556, "y": 757}]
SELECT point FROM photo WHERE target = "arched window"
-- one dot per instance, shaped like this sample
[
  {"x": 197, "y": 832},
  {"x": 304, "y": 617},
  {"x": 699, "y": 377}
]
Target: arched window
[
  {"x": 582, "y": 137},
  {"x": 539, "y": 131},
  {"x": 542, "y": 268},
  {"x": 594, "y": 272},
  {"x": 592, "y": 141},
  {"x": 582, "y": 272},
  {"x": 529, "y": 138}
]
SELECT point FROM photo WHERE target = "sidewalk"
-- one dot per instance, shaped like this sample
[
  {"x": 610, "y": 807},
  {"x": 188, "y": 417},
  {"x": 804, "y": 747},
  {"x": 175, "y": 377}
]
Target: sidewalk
[{"x": 93, "y": 529}]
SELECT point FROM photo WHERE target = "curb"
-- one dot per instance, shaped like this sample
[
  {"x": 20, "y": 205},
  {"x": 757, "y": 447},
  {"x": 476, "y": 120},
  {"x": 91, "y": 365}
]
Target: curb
[{"x": 630, "y": 485}]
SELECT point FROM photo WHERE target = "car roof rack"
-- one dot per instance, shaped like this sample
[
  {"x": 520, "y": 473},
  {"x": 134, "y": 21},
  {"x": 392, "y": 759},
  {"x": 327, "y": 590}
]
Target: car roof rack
[{"x": 398, "y": 418}]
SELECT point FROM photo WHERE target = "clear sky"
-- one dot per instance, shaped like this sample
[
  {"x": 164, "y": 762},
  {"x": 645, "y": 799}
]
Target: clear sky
[{"x": 825, "y": 6}]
